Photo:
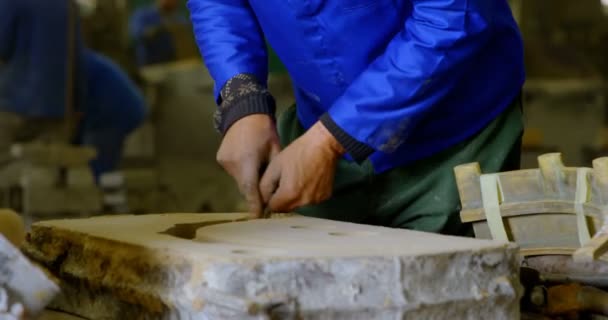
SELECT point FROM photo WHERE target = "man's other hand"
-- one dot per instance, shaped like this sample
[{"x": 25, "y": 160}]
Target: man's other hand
[
  {"x": 303, "y": 173},
  {"x": 248, "y": 146}
]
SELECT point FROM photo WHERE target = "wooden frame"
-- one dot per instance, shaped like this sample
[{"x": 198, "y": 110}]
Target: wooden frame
[{"x": 548, "y": 211}]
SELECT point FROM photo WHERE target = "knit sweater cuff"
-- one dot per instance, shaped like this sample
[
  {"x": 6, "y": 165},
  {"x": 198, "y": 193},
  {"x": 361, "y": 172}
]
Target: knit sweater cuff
[
  {"x": 242, "y": 96},
  {"x": 357, "y": 150},
  {"x": 245, "y": 106}
]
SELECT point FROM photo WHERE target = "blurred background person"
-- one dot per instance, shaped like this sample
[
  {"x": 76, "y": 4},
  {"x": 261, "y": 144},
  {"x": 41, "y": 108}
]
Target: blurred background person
[
  {"x": 53, "y": 89},
  {"x": 150, "y": 30},
  {"x": 114, "y": 108}
]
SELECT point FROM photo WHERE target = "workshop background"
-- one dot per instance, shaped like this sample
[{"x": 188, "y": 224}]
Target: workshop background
[
  {"x": 566, "y": 65},
  {"x": 169, "y": 166},
  {"x": 169, "y": 162}
]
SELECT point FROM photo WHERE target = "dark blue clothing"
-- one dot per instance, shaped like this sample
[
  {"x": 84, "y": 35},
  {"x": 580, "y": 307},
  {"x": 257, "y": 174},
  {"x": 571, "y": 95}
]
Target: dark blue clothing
[
  {"x": 113, "y": 99},
  {"x": 115, "y": 108},
  {"x": 33, "y": 57},
  {"x": 153, "y": 43},
  {"x": 33, "y": 68},
  {"x": 407, "y": 78}
]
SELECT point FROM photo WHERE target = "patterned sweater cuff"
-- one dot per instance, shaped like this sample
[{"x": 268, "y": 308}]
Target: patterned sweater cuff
[{"x": 242, "y": 95}]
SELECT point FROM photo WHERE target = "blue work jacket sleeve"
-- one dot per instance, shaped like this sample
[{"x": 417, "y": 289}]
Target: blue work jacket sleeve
[
  {"x": 230, "y": 39},
  {"x": 419, "y": 67},
  {"x": 8, "y": 10}
]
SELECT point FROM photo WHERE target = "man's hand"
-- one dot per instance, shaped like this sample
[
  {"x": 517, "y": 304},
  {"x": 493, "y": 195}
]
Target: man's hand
[
  {"x": 248, "y": 146},
  {"x": 303, "y": 173}
]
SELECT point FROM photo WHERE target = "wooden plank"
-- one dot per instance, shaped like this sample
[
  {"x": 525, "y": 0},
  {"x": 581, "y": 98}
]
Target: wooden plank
[
  {"x": 553, "y": 251},
  {"x": 491, "y": 197},
  {"x": 531, "y": 208},
  {"x": 535, "y": 232},
  {"x": 467, "y": 177},
  {"x": 52, "y": 200},
  {"x": 53, "y": 154},
  {"x": 599, "y": 243},
  {"x": 594, "y": 249},
  {"x": 581, "y": 197}
]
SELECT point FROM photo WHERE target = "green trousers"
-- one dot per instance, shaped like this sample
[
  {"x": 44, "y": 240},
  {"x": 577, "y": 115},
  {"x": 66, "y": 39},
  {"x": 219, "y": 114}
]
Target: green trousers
[{"x": 422, "y": 195}]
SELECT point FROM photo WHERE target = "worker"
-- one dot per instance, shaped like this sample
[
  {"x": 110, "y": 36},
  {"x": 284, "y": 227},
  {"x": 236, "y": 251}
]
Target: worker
[
  {"x": 149, "y": 28},
  {"x": 114, "y": 109},
  {"x": 390, "y": 96},
  {"x": 39, "y": 42}
]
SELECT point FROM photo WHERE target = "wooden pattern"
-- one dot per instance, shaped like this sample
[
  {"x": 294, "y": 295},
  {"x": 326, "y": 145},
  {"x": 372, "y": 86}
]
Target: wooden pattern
[{"x": 550, "y": 210}]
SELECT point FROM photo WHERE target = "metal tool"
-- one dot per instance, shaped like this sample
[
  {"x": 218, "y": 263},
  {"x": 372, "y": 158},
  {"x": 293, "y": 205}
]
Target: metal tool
[{"x": 544, "y": 294}]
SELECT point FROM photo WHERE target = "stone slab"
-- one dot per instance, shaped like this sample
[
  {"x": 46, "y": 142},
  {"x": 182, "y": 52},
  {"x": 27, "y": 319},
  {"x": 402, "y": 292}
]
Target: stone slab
[
  {"x": 224, "y": 266},
  {"x": 24, "y": 288}
]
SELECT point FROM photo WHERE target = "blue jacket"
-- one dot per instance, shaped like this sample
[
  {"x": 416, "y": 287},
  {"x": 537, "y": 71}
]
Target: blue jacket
[
  {"x": 160, "y": 47},
  {"x": 33, "y": 56},
  {"x": 408, "y": 78},
  {"x": 115, "y": 107},
  {"x": 114, "y": 102}
]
